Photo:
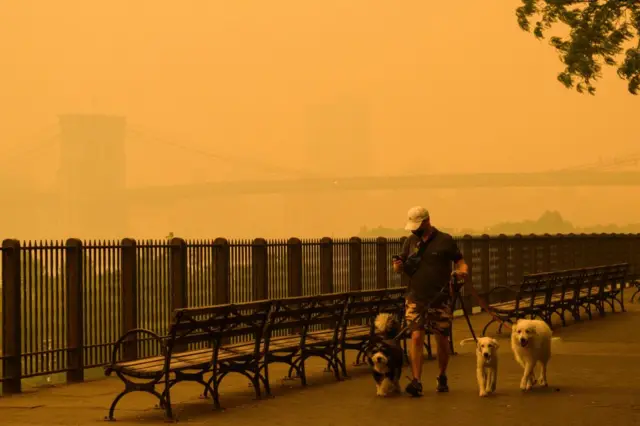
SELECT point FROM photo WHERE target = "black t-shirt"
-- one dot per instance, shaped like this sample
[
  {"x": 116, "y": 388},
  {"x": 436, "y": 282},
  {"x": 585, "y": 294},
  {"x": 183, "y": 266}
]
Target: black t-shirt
[{"x": 434, "y": 271}]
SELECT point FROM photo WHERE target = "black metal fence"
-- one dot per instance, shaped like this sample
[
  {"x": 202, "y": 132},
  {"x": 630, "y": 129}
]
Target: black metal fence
[{"x": 64, "y": 303}]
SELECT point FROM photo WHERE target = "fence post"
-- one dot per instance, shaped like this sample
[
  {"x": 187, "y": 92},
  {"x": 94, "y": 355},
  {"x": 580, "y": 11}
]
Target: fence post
[
  {"x": 294, "y": 267},
  {"x": 614, "y": 253},
  {"x": 75, "y": 315},
  {"x": 518, "y": 267},
  {"x": 355, "y": 264},
  {"x": 260, "y": 266},
  {"x": 546, "y": 253},
  {"x": 503, "y": 264},
  {"x": 630, "y": 254},
  {"x": 635, "y": 257},
  {"x": 613, "y": 248},
  {"x": 11, "y": 320},
  {"x": 485, "y": 262},
  {"x": 561, "y": 252},
  {"x": 532, "y": 252},
  {"x": 178, "y": 273},
  {"x": 129, "y": 296},
  {"x": 326, "y": 265},
  {"x": 622, "y": 244},
  {"x": 467, "y": 253},
  {"x": 222, "y": 265},
  {"x": 382, "y": 264},
  {"x": 576, "y": 251},
  {"x": 592, "y": 250},
  {"x": 570, "y": 251}
]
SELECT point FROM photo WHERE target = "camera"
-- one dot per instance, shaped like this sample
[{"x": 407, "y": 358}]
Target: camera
[{"x": 409, "y": 264}]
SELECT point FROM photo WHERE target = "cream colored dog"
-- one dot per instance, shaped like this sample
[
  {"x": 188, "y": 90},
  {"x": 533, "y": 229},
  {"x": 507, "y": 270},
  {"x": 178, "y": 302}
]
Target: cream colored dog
[
  {"x": 531, "y": 345},
  {"x": 486, "y": 364}
]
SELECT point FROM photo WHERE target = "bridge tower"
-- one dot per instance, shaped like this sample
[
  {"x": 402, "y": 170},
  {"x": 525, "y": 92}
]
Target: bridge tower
[{"x": 92, "y": 174}]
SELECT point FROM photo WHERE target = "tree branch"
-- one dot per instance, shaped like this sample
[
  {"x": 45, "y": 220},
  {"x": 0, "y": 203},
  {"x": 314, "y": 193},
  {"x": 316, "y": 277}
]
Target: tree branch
[{"x": 598, "y": 30}]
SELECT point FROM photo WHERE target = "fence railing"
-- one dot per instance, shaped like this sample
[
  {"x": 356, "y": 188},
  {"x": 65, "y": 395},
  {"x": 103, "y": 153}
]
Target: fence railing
[{"x": 64, "y": 304}]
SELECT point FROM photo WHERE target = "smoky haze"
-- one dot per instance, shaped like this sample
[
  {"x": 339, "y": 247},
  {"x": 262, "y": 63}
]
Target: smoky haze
[{"x": 222, "y": 91}]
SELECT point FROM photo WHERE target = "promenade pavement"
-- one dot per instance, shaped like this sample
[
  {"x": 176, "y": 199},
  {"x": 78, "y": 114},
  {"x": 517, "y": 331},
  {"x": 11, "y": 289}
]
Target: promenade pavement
[{"x": 594, "y": 378}]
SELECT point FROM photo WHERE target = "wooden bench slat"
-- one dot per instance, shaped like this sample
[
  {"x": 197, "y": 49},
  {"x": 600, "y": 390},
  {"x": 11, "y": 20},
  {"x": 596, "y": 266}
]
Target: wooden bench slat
[
  {"x": 153, "y": 365},
  {"x": 356, "y": 330}
]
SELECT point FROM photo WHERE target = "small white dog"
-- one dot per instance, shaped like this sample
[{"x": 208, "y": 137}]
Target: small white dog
[
  {"x": 531, "y": 345},
  {"x": 486, "y": 364}
]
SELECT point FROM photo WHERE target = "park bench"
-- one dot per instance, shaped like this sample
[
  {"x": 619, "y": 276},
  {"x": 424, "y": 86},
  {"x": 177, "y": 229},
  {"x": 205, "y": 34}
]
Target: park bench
[
  {"x": 544, "y": 294},
  {"x": 591, "y": 290},
  {"x": 529, "y": 299},
  {"x": 634, "y": 281},
  {"x": 198, "y": 343},
  {"x": 312, "y": 327},
  {"x": 565, "y": 296},
  {"x": 616, "y": 280},
  {"x": 358, "y": 329},
  {"x": 598, "y": 286}
]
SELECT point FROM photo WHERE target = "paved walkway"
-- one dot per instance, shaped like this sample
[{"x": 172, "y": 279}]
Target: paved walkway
[{"x": 594, "y": 379}]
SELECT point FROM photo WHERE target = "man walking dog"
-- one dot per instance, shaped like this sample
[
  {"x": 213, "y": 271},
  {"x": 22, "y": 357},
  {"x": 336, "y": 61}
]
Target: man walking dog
[{"x": 427, "y": 257}]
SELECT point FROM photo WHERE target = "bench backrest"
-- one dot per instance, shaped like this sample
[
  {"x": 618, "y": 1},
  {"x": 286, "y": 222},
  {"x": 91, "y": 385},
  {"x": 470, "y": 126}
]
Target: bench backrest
[
  {"x": 533, "y": 287},
  {"x": 246, "y": 321},
  {"x": 616, "y": 275},
  {"x": 593, "y": 279},
  {"x": 298, "y": 315},
  {"x": 568, "y": 283},
  {"x": 196, "y": 327},
  {"x": 211, "y": 325},
  {"x": 362, "y": 306},
  {"x": 288, "y": 316},
  {"x": 326, "y": 312}
]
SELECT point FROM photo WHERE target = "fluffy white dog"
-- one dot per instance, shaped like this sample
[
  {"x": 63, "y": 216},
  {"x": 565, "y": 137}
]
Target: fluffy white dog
[
  {"x": 486, "y": 364},
  {"x": 531, "y": 345}
]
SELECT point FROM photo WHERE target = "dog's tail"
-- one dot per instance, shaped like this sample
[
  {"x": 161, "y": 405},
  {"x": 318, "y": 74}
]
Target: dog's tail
[
  {"x": 555, "y": 339},
  {"x": 463, "y": 341},
  {"x": 385, "y": 324}
]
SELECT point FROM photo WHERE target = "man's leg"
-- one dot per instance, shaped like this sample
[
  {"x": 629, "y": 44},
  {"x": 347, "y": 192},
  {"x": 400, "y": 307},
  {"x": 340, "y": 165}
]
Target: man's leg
[
  {"x": 443, "y": 323},
  {"x": 417, "y": 349},
  {"x": 443, "y": 352},
  {"x": 415, "y": 320}
]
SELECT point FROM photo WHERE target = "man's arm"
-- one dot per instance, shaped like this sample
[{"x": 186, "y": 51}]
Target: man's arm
[
  {"x": 461, "y": 267},
  {"x": 397, "y": 264}
]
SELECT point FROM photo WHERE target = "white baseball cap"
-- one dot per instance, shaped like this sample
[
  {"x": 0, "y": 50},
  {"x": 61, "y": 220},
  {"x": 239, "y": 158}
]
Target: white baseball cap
[{"x": 416, "y": 215}]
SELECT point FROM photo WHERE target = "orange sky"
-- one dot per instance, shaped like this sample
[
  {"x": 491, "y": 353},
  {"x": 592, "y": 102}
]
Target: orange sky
[{"x": 447, "y": 86}]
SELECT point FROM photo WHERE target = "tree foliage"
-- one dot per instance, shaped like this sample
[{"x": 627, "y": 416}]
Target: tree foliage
[{"x": 598, "y": 33}]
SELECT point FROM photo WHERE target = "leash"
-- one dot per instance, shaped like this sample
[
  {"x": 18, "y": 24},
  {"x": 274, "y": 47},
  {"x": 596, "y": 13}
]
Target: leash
[
  {"x": 487, "y": 308},
  {"x": 421, "y": 313},
  {"x": 454, "y": 288},
  {"x": 453, "y": 294}
]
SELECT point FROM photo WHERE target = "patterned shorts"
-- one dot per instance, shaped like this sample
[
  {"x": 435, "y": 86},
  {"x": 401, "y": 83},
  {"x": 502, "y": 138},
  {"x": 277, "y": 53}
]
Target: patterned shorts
[{"x": 436, "y": 318}]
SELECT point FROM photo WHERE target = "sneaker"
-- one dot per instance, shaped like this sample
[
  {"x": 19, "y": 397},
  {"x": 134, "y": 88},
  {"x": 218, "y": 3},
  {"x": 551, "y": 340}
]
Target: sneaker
[
  {"x": 442, "y": 384},
  {"x": 414, "y": 388}
]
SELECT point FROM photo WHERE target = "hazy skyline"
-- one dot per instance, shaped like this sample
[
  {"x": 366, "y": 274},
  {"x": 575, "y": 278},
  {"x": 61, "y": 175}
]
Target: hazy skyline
[{"x": 449, "y": 87}]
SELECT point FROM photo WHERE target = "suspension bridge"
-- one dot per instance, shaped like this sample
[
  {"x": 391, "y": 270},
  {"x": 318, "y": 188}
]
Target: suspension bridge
[{"x": 286, "y": 180}]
